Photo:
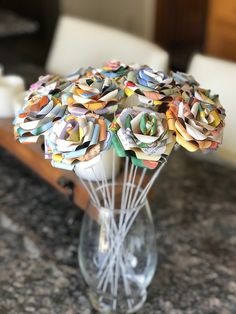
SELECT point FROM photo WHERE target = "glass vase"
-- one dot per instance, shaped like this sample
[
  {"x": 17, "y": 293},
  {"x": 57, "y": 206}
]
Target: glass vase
[{"x": 117, "y": 254}]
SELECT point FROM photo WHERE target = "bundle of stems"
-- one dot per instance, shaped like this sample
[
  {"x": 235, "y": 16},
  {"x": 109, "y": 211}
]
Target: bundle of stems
[{"x": 133, "y": 197}]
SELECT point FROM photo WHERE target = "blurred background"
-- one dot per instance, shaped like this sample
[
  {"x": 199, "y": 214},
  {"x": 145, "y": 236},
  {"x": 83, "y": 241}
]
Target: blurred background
[
  {"x": 197, "y": 36},
  {"x": 182, "y": 27}
]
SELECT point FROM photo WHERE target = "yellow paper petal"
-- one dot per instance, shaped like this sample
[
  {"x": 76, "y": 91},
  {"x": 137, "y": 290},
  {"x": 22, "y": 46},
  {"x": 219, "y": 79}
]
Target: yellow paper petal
[
  {"x": 187, "y": 145},
  {"x": 93, "y": 106},
  {"x": 157, "y": 102},
  {"x": 170, "y": 120},
  {"x": 216, "y": 117},
  {"x": 70, "y": 100},
  {"x": 57, "y": 157},
  {"x": 205, "y": 98},
  {"x": 182, "y": 131},
  {"x": 129, "y": 92},
  {"x": 204, "y": 144}
]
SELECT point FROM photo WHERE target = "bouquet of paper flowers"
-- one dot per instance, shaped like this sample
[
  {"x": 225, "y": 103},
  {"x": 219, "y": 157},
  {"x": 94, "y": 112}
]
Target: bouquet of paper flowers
[
  {"x": 137, "y": 112},
  {"x": 141, "y": 112}
]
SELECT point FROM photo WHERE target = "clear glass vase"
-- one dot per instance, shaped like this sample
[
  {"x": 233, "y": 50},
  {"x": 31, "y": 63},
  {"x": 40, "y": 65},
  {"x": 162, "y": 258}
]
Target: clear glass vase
[{"x": 118, "y": 255}]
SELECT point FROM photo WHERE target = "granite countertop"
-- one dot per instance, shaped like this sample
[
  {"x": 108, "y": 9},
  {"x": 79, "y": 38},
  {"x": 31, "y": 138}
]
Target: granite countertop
[{"x": 195, "y": 218}]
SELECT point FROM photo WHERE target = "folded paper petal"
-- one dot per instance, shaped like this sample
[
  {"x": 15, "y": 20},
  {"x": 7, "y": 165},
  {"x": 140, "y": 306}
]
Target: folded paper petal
[
  {"x": 95, "y": 93},
  {"x": 153, "y": 88},
  {"x": 142, "y": 135},
  {"x": 37, "y": 117},
  {"x": 76, "y": 139},
  {"x": 199, "y": 122},
  {"x": 114, "y": 69}
]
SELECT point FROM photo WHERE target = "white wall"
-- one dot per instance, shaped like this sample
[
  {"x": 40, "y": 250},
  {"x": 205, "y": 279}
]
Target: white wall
[{"x": 134, "y": 16}]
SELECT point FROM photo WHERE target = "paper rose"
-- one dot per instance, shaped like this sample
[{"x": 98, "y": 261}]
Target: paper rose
[
  {"x": 114, "y": 69},
  {"x": 76, "y": 139},
  {"x": 82, "y": 72},
  {"x": 143, "y": 135},
  {"x": 43, "y": 82},
  {"x": 37, "y": 117},
  {"x": 93, "y": 94},
  {"x": 55, "y": 84},
  {"x": 182, "y": 79},
  {"x": 153, "y": 110},
  {"x": 48, "y": 85},
  {"x": 199, "y": 123},
  {"x": 150, "y": 88}
]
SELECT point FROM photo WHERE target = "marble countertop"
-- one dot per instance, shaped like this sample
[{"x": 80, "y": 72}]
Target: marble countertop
[{"x": 195, "y": 219}]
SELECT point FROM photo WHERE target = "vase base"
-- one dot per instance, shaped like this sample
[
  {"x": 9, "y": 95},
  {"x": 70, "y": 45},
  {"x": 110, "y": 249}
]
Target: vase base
[{"x": 105, "y": 303}]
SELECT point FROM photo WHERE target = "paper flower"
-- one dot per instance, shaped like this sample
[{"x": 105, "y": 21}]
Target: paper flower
[
  {"x": 55, "y": 84},
  {"x": 76, "y": 139},
  {"x": 43, "y": 81},
  {"x": 150, "y": 88},
  {"x": 143, "y": 135},
  {"x": 82, "y": 72},
  {"x": 198, "y": 124},
  {"x": 182, "y": 79},
  {"x": 48, "y": 85},
  {"x": 114, "y": 69},
  {"x": 93, "y": 94},
  {"x": 37, "y": 117},
  {"x": 153, "y": 111}
]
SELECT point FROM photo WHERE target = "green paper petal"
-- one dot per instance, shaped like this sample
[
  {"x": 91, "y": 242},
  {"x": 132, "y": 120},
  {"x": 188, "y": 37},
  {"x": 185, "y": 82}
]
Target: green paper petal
[
  {"x": 137, "y": 162},
  {"x": 128, "y": 120},
  {"x": 143, "y": 124},
  {"x": 118, "y": 146},
  {"x": 154, "y": 125}
]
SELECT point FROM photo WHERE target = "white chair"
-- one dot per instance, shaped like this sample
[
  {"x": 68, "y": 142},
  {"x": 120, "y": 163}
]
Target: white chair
[
  {"x": 220, "y": 76},
  {"x": 79, "y": 43}
]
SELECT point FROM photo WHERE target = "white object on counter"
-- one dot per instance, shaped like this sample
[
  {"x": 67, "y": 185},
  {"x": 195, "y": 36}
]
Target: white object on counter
[
  {"x": 93, "y": 169},
  {"x": 19, "y": 102},
  {"x": 10, "y": 87},
  {"x": 14, "y": 82},
  {"x": 6, "y": 102}
]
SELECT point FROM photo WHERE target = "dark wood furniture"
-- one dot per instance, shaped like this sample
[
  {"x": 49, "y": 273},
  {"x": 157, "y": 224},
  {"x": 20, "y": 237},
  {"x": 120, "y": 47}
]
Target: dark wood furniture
[
  {"x": 180, "y": 29},
  {"x": 220, "y": 38}
]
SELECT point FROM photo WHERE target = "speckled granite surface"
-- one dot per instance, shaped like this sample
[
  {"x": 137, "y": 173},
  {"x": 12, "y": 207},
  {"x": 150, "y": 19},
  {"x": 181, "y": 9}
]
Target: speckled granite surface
[{"x": 195, "y": 217}]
